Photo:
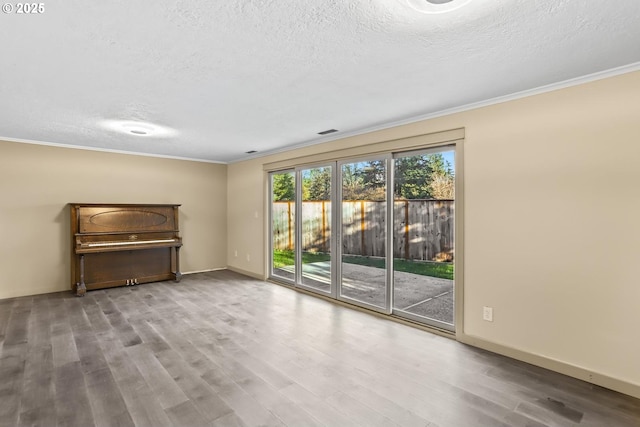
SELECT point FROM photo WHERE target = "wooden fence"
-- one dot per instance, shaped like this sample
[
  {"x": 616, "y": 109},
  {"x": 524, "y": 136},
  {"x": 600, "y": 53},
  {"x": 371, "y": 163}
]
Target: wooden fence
[{"x": 423, "y": 228}]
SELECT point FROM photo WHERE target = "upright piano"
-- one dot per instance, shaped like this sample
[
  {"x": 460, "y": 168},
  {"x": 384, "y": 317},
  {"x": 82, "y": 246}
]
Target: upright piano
[{"x": 123, "y": 245}]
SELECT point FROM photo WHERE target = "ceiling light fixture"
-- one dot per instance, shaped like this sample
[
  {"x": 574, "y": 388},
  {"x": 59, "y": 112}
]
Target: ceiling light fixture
[
  {"x": 137, "y": 128},
  {"x": 437, "y": 6}
]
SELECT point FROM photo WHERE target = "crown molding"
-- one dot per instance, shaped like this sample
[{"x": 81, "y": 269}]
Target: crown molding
[{"x": 108, "y": 150}]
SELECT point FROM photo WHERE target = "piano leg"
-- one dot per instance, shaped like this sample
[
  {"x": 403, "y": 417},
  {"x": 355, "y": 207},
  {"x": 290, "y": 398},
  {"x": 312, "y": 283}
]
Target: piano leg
[
  {"x": 176, "y": 267},
  {"x": 81, "y": 289}
]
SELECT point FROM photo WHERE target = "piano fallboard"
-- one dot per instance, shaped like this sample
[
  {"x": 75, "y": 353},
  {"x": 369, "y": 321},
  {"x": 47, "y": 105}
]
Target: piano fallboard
[
  {"x": 117, "y": 242},
  {"x": 123, "y": 244},
  {"x": 130, "y": 246}
]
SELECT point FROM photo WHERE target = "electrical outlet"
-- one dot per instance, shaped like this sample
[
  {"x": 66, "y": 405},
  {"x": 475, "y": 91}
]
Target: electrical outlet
[
  {"x": 235, "y": 253},
  {"x": 487, "y": 314},
  {"x": 248, "y": 257},
  {"x": 255, "y": 214}
]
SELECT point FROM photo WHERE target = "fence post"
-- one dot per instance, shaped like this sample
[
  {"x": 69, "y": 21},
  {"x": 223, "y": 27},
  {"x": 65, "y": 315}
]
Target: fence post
[
  {"x": 289, "y": 246},
  {"x": 324, "y": 225},
  {"x": 362, "y": 228},
  {"x": 406, "y": 230}
]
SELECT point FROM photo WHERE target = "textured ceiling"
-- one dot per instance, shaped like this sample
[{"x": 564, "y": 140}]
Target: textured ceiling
[{"x": 234, "y": 76}]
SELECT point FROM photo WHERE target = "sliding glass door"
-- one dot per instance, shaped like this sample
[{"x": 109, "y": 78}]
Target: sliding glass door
[
  {"x": 363, "y": 268},
  {"x": 316, "y": 184},
  {"x": 423, "y": 236},
  {"x": 282, "y": 189}
]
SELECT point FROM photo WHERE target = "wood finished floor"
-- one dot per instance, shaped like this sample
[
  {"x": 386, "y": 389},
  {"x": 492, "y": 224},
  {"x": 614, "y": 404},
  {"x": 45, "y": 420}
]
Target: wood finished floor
[{"x": 221, "y": 349}]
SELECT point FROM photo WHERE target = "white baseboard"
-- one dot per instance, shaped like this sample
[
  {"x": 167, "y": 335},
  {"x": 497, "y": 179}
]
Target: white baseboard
[
  {"x": 20, "y": 292},
  {"x": 203, "y": 271},
  {"x": 246, "y": 273},
  {"x": 565, "y": 368}
]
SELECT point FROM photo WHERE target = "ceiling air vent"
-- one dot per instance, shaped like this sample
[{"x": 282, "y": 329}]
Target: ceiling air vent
[
  {"x": 327, "y": 132},
  {"x": 251, "y": 151}
]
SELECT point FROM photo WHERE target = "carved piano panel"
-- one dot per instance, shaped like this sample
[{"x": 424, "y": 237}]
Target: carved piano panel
[
  {"x": 118, "y": 219},
  {"x": 123, "y": 245}
]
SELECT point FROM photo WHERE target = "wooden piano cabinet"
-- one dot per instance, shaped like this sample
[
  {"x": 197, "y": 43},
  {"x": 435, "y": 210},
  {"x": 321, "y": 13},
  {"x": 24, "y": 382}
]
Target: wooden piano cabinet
[{"x": 123, "y": 245}]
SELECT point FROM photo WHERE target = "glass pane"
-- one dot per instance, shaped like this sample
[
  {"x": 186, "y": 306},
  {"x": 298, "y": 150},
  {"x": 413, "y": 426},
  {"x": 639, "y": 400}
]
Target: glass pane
[
  {"x": 283, "y": 209},
  {"x": 316, "y": 228},
  {"x": 424, "y": 236},
  {"x": 363, "y": 232}
]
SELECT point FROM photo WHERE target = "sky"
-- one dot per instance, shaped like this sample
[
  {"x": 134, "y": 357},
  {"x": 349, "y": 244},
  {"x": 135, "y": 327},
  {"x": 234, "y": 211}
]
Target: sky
[{"x": 448, "y": 157}]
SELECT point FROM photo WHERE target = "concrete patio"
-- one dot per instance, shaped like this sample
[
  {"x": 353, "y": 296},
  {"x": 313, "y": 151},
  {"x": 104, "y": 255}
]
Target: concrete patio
[{"x": 425, "y": 296}]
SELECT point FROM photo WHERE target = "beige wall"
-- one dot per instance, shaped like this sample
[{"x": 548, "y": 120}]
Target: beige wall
[
  {"x": 552, "y": 228},
  {"x": 37, "y": 182}
]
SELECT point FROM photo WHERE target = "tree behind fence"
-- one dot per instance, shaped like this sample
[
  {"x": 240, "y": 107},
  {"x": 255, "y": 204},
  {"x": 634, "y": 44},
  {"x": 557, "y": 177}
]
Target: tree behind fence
[{"x": 423, "y": 228}]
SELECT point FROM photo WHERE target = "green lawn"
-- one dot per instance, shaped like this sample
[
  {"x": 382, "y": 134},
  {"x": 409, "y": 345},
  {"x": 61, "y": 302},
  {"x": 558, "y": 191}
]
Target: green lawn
[
  {"x": 283, "y": 258},
  {"x": 442, "y": 270}
]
